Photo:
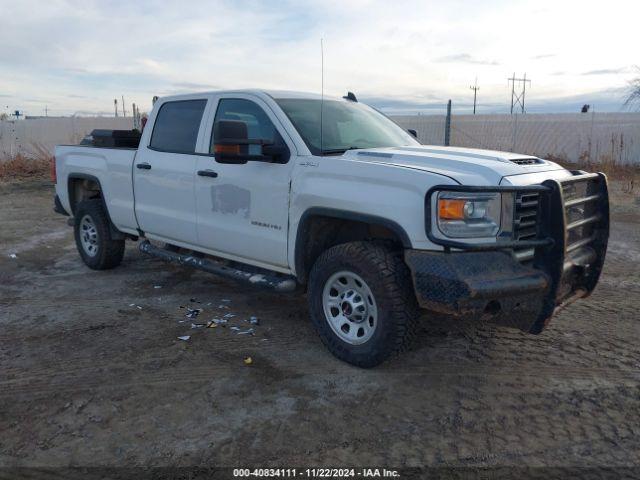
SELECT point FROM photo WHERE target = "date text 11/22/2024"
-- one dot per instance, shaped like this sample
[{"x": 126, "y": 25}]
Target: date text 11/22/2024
[{"x": 316, "y": 473}]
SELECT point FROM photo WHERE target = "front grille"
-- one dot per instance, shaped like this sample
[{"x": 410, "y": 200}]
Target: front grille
[
  {"x": 525, "y": 222},
  {"x": 526, "y": 161}
]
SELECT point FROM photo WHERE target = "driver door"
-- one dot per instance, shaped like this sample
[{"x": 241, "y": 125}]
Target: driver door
[{"x": 243, "y": 209}]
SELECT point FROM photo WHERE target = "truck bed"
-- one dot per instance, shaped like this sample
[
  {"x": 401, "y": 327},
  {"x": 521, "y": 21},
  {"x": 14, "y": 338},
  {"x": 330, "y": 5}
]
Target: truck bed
[{"x": 111, "y": 167}]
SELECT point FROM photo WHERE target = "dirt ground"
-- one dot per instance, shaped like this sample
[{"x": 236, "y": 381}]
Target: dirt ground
[{"x": 92, "y": 372}]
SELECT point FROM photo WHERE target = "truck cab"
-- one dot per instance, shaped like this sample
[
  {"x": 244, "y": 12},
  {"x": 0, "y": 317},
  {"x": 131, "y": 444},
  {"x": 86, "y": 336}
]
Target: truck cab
[{"x": 326, "y": 195}]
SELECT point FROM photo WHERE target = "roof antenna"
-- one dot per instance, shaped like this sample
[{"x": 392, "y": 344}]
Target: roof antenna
[{"x": 321, "y": 91}]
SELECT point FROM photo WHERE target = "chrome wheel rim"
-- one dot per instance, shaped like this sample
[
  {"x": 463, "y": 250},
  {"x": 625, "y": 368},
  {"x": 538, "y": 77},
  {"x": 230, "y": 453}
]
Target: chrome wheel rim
[
  {"x": 350, "y": 307},
  {"x": 89, "y": 236}
]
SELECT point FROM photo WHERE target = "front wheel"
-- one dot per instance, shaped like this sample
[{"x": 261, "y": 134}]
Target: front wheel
[
  {"x": 362, "y": 303},
  {"x": 93, "y": 236}
]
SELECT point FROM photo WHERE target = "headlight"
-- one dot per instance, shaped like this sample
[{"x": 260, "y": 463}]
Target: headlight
[{"x": 469, "y": 214}]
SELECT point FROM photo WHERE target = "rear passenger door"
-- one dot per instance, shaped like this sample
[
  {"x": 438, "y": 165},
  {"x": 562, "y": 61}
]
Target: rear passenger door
[{"x": 164, "y": 172}]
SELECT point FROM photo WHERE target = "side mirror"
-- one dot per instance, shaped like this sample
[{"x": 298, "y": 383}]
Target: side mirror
[
  {"x": 231, "y": 145},
  {"x": 231, "y": 139},
  {"x": 412, "y": 132}
]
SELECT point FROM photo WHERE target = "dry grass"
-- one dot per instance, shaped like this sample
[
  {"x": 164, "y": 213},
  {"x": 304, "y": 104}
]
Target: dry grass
[
  {"x": 37, "y": 165},
  {"x": 606, "y": 165}
]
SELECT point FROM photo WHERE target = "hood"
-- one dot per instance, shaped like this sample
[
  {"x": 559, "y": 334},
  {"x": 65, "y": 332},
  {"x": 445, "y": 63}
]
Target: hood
[{"x": 465, "y": 165}]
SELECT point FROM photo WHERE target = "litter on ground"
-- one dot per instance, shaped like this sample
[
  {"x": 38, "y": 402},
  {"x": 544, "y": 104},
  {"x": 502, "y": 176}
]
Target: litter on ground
[
  {"x": 248, "y": 361},
  {"x": 184, "y": 338},
  {"x": 157, "y": 286},
  {"x": 198, "y": 325},
  {"x": 246, "y": 332},
  {"x": 13, "y": 255},
  {"x": 254, "y": 321},
  {"x": 229, "y": 315},
  {"x": 193, "y": 312}
]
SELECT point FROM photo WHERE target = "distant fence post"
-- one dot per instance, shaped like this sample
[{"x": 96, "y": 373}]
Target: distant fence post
[{"x": 447, "y": 126}]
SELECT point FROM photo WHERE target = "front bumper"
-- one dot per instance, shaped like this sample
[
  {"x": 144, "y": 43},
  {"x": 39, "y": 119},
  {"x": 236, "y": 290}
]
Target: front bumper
[{"x": 490, "y": 282}]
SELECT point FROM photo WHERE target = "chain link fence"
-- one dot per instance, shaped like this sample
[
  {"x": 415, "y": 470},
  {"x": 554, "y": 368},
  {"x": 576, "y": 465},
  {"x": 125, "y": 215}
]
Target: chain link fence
[
  {"x": 592, "y": 137},
  {"x": 30, "y": 137}
]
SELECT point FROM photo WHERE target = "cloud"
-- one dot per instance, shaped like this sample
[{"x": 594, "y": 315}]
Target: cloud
[
  {"x": 195, "y": 86},
  {"x": 465, "y": 58},
  {"x": 608, "y": 71},
  {"x": 80, "y": 55},
  {"x": 543, "y": 56}
]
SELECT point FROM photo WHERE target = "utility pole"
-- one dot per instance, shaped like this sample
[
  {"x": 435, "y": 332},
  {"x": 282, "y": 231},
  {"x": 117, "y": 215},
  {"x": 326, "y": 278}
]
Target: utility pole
[
  {"x": 475, "y": 89},
  {"x": 46, "y": 110},
  {"x": 115, "y": 104},
  {"x": 447, "y": 126},
  {"x": 136, "y": 116},
  {"x": 124, "y": 111},
  {"x": 517, "y": 96}
]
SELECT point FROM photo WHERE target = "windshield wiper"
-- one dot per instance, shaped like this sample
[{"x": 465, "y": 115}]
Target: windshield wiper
[{"x": 339, "y": 150}]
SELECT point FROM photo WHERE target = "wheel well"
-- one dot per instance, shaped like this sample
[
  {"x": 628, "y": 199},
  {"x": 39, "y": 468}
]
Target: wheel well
[
  {"x": 319, "y": 232},
  {"x": 81, "y": 188}
]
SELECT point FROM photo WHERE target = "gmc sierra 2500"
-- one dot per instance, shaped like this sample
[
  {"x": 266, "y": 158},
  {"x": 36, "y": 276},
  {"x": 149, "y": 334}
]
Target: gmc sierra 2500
[{"x": 372, "y": 224}]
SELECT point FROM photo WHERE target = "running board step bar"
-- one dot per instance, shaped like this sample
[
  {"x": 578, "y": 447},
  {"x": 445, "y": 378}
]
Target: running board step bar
[{"x": 271, "y": 281}]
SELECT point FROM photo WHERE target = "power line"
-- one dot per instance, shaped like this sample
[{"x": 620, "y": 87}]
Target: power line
[
  {"x": 475, "y": 89},
  {"x": 517, "y": 97}
]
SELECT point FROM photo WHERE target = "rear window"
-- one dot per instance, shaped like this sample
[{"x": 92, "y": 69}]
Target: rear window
[{"x": 176, "y": 127}]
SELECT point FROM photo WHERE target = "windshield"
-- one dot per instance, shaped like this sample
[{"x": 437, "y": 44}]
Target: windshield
[{"x": 345, "y": 126}]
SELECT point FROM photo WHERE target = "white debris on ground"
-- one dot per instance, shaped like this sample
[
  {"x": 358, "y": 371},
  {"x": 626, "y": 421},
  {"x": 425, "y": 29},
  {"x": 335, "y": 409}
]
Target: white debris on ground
[
  {"x": 193, "y": 313},
  {"x": 13, "y": 255},
  {"x": 184, "y": 338},
  {"x": 257, "y": 278}
]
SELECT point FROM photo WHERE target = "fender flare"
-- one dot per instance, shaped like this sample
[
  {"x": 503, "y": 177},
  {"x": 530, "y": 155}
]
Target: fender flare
[
  {"x": 115, "y": 233},
  {"x": 303, "y": 224}
]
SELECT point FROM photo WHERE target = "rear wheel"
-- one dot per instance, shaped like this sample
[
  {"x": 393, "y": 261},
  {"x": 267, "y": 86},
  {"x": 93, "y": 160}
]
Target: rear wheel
[
  {"x": 362, "y": 303},
  {"x": 93, "y": 236}
]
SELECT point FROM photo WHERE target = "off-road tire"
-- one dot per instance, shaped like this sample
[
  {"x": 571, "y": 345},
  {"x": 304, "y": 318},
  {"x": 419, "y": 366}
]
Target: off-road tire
[
  {"x": 383, "y": 269},
  {"x": 109, "y": 251}
]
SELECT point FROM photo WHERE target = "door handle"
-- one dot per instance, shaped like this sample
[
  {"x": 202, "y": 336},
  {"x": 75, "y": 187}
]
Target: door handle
[
  {"x": 143, "y": 166},
  {"x": 207, "y": 173}
]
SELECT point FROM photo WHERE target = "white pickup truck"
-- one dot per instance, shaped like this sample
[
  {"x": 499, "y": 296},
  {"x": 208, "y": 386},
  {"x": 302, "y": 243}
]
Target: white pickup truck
[{"x": 295, "y": 192}]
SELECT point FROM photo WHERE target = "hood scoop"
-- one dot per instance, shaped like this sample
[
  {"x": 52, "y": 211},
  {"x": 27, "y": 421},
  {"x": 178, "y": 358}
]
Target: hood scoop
[{"x": 526, "y": 161}]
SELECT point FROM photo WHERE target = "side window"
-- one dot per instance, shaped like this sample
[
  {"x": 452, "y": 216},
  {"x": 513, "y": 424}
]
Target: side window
[
  {"x": 176, "y": 126},
  {"x": 259, "y": 126}
]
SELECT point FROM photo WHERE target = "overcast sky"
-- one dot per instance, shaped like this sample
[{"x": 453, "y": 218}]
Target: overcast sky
[{"x": 77, "y": 56}]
